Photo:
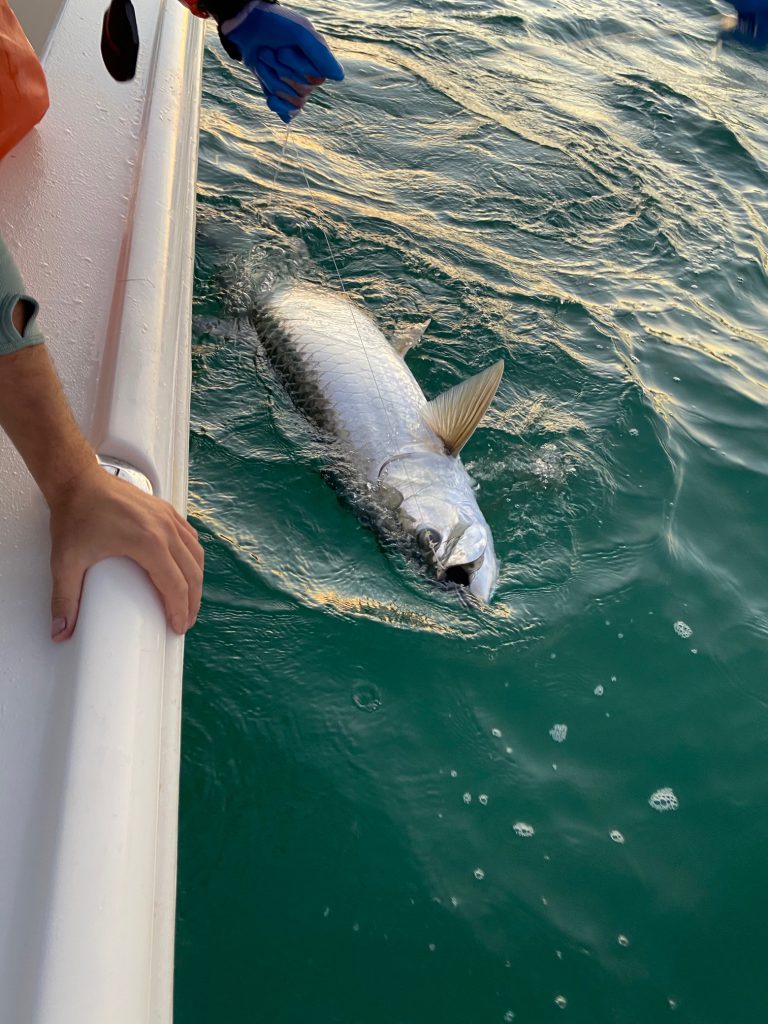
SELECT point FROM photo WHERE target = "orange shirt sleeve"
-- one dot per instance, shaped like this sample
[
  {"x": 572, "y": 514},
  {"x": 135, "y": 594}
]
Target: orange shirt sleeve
[{"x": 23, "y": 91}]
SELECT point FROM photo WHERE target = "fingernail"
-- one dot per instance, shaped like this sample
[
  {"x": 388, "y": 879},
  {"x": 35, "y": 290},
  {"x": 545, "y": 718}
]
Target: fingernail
[
  {"x": 179, "y": 624},
  {"x": 57, "y": 627}
]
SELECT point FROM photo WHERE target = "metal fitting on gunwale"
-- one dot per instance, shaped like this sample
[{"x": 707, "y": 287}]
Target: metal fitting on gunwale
[{"x": 125, "y": 471}]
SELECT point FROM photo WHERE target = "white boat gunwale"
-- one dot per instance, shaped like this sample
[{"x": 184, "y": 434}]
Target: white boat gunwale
[{"x": 97, "y": 205}]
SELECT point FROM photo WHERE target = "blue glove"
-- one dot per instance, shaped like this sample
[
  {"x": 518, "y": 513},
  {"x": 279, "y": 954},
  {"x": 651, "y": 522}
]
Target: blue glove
[
  {"x": 751, "y": 24},
  {"x": 287, "y": 55}
]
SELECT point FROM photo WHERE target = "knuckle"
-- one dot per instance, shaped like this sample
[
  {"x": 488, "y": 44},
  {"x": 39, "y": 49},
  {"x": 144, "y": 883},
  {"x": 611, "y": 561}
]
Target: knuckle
[{"x": 154, "y": 538}]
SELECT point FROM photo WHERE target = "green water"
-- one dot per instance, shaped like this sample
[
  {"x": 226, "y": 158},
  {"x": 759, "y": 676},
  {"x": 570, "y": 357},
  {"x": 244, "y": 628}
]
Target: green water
[{"x": 581, "y": 189}]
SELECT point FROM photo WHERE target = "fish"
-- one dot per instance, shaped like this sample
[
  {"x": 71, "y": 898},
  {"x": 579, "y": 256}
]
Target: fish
[{"x": 401, "y": 450}]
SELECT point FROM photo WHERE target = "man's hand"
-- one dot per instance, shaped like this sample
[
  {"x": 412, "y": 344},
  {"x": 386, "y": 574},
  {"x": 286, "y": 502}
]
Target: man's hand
[
  {"x": 285, "y": 52},
  {"x": 99, "y": 516},
  {"x": 93, "y": 515}
]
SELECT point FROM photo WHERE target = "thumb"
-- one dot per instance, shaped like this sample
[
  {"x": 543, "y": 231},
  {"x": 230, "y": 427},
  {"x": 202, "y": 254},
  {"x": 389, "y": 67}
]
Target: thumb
[{"x": 65, "y": 600}]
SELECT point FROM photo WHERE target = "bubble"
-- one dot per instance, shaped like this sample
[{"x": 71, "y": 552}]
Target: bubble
[
  {"x": 509, "y": 1016},
  {"x": 326, "y": 912},
  {"x": 623, "y": 940},
  {"x": 483, "y": 798},
  {"x": 524, "y": 830},
  {"x": 672, "y": 1004},
  {"x": 479, "y": 874},
  {"x": 633, "y": 431},
  {"x": 467, "y": 798},
  {"x": 616, "y": 836},
  {"x": 454, "y": 773},
  {"x": 663, "y": 800},
  {"x": 561, "y": 1001},
  {"x": 549, "y": 466},
  {"x": 613, "y": 678},
  {"x": 355, "y": 927},
  {"x": 496, "y": 733},
  {"x": 558, "y": 732},
  {"x": 432, "y": 947},
  {"x": 683, "y": 629},
  {"x": 509, "y": 750},
  {"x": 454, "y": 901},
  {"x": 366, "y": 697},
  {"x": 599, "y": 690}
]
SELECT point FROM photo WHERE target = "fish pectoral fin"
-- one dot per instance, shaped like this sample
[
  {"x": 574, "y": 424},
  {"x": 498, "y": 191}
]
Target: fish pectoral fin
[
  {"x": 455, "y": 414},
  {"x": 406, "y": 338}
]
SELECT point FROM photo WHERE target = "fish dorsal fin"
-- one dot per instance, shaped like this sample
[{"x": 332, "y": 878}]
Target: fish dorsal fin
[
  {"x": 407, "y": 338},
  {"x": 455, "y": 414}
]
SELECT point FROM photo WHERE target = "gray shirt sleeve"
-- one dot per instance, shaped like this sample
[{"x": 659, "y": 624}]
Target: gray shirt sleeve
[{"x": 11, "y": 291}]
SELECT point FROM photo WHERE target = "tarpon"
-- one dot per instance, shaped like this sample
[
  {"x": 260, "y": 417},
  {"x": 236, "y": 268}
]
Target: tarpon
[{"x": 401, "y": 449}]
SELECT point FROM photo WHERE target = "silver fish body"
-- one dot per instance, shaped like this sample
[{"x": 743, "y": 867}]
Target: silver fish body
[{"x": 343, "y": 373}]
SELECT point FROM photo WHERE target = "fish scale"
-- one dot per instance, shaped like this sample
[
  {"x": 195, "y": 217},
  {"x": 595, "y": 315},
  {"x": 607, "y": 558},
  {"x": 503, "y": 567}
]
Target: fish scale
[{"x": 344, "y": 374}]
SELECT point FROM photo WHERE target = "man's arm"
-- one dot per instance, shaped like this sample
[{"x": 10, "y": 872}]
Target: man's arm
[{"x": 93, "y": 515}]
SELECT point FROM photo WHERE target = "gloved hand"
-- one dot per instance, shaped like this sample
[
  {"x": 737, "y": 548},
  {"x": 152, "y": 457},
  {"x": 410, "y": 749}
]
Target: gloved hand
[
  {"x": 750, "y": 26},
  {"x": 282, "y": 48}
]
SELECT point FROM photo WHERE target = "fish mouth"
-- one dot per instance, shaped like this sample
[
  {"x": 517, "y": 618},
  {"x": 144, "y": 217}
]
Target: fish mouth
[
  {"x": 461, "y": 575},
  {"x": 473, "y": 586},
  {"x": 464, "y": 565},
  {"x": 476, "y": 578}
]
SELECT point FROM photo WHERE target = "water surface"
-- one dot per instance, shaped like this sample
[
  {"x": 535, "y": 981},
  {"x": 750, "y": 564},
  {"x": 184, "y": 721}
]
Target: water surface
[{"x": 396, "y": 810}]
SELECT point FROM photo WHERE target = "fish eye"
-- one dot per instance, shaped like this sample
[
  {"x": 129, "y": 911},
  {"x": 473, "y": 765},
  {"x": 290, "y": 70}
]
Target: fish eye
[{"x": 429, "y": 540}]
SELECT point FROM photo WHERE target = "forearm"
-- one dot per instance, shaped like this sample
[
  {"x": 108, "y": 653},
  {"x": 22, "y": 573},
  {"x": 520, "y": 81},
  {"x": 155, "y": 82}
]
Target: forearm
[
  {"x": 35, "y": 415},
  {"x": 33, "y": 410}
]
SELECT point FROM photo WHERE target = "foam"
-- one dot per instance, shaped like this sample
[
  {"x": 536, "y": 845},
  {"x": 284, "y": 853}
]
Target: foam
[{"x": 663, "y": 800}]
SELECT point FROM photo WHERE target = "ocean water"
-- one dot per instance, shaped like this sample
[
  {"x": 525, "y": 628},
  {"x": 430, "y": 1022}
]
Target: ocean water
[{"x": 394, "y": 809}]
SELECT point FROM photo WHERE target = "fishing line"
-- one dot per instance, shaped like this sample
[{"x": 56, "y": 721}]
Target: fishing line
[{"x": 282, "y": 155}]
